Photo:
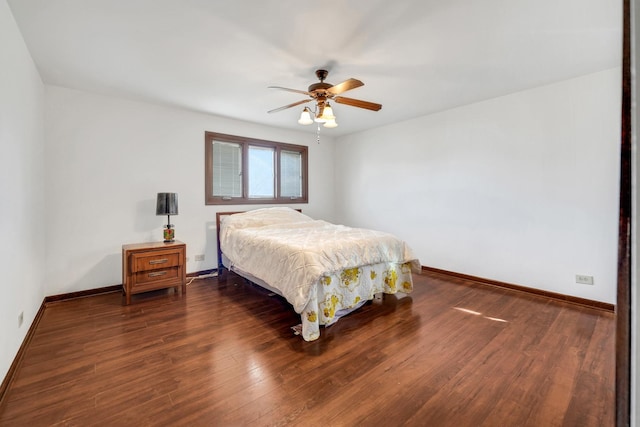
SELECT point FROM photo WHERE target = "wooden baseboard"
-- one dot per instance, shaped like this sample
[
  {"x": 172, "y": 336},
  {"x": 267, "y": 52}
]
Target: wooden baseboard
[
  {"x": 553, "y": 295},
  {"x": 82, "y": 294},
  {"x": 8, "y": 379},
  {"x": 107, "y": 289}
]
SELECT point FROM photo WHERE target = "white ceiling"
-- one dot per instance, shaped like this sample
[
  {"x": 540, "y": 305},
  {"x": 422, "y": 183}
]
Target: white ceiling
[{"x": 415, "y": 56}]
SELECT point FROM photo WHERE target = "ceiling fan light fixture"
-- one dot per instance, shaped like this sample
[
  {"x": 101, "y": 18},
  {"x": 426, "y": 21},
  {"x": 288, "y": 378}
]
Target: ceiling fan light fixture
[
  {"x": 321, "y": 93},
  {"x": 305, "y": 117}
]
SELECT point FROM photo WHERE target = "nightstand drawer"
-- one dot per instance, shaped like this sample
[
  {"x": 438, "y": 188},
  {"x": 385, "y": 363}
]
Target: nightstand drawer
[
  {"x": 154, "y": 261},
  {"x": 172, "y": 273}
]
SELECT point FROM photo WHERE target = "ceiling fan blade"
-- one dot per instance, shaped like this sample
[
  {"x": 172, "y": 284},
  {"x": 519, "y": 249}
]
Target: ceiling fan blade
[
  {"x": 304, "y": 92},
  {"x": 345, "y": 86},
  {"x": 358, "y": 103},
  {"x": 304, "y": 101}
]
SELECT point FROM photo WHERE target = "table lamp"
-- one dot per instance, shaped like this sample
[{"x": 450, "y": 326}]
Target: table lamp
[{"x": 167, "y": 204}]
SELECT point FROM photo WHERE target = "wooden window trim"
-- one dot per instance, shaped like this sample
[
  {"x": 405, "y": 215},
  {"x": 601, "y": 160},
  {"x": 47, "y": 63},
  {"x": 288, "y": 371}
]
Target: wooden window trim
[{"x": 245, "y": 142}]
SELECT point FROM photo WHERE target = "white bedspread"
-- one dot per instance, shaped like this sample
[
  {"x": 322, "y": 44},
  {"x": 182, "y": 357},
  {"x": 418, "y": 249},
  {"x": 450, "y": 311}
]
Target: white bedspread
[{"x": 295, "y": 253}]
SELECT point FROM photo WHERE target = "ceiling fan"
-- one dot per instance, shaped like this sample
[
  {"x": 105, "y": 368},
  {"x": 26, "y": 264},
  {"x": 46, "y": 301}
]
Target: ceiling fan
[{"x": 321, "y": 93}]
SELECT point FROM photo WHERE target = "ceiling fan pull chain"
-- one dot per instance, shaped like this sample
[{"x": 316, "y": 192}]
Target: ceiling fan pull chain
[{"x": 318, "y": 134}]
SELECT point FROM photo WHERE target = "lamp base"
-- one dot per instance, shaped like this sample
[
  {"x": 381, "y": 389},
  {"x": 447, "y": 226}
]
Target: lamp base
[{"x": 169, "y": 233}]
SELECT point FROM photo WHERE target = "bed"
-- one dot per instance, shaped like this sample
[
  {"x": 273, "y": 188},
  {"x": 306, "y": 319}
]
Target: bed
[{"x": 323, "y": 270}]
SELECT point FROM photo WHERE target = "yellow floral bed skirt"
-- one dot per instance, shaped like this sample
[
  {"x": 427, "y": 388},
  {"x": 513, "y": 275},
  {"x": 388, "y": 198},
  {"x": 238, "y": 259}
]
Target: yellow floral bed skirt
[{"x": 348, "y": 289}]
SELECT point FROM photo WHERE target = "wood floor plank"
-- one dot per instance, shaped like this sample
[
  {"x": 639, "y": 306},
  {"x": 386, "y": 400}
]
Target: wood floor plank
[{"x": 453, "y": 353}]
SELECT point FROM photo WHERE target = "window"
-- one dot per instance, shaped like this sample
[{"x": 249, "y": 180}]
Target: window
[{"x": 241, "y": 170}]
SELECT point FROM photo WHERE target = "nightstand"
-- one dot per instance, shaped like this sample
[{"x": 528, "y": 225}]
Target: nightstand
[{"x": 151, "y": 266}]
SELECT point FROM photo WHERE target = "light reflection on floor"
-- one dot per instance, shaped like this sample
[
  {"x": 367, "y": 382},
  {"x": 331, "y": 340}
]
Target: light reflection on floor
[{"x": 475, "y": 313}]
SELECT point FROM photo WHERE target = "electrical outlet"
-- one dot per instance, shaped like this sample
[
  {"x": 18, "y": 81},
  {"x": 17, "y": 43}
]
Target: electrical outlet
[
  {"x": 585, "y": 280},
  {"x": 199, "y": 257},
  {"x": 20, "y": 318}
]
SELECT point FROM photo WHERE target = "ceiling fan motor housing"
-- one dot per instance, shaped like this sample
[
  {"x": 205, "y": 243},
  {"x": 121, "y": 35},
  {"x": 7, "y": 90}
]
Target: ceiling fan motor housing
[{"x": 319, "y": 87}]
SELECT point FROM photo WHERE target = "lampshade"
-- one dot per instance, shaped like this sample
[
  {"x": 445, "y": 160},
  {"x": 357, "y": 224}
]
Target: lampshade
[
  {"x": 167, "y": 204},
  {"x": 331, "y": 124},
  {"x": 305, "y": 117}
]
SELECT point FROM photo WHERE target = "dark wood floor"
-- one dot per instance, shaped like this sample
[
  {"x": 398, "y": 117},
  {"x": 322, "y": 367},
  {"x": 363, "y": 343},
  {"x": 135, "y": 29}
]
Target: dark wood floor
[{"x": 453, "y": 354}]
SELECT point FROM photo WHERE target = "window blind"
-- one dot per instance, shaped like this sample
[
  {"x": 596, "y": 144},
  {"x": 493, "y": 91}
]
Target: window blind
[{"x": 227, "y": 169}]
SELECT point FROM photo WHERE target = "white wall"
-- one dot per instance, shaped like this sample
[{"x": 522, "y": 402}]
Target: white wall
[
  {"x": 21, "y": 188},
  {"x": 106, "y": 160},
  {"x": 522, "y": 189}
]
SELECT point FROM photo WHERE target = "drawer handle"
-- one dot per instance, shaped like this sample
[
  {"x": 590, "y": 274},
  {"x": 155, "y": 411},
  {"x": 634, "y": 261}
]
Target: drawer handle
[
  {"x": 157, "y": 273},
  {"x": 158, "y": 261}
]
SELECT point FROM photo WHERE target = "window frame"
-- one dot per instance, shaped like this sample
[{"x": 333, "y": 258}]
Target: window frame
[{"x": 245, "y": 143}]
